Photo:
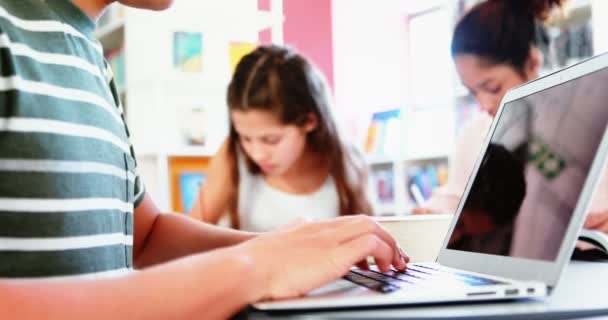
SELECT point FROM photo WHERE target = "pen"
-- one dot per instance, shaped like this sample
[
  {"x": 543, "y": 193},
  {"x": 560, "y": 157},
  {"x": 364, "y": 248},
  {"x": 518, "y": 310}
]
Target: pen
[{"x": 417, "y": 195}]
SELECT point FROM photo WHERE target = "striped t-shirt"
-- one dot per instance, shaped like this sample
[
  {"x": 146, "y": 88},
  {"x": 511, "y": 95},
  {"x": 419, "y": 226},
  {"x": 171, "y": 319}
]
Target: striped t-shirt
[{"x": 68, "y": 183}]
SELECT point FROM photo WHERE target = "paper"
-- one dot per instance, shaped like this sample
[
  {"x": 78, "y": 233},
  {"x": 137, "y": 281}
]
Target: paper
[{"x": 420, "y": 236}]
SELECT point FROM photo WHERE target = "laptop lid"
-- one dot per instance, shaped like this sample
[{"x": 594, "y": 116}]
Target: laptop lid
[{"x": 531, "y": 187}]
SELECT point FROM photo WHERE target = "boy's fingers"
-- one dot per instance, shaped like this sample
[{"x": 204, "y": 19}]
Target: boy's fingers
[{"x": 358, "y": 249}]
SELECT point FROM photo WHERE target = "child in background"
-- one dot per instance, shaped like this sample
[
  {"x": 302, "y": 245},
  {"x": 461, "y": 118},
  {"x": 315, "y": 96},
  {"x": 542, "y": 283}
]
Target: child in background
[{"x": 284, "y": 158}]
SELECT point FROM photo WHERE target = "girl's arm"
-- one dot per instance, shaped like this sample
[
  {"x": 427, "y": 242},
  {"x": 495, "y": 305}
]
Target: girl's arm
[{"x": 214, "y": 197}]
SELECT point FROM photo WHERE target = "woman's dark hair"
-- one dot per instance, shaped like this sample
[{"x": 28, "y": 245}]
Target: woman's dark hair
[
  {"x": 279, "y": 80},
  {"x": 503, "y": 31}
]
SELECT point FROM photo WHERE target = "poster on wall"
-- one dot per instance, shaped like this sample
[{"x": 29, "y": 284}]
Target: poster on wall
[
  {"x": 188, "y": 51},
  {"x": 237, "y": 51}
]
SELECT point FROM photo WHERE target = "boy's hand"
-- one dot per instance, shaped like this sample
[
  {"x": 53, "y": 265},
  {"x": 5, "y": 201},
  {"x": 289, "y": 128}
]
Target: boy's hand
[{"x": 293, "y": 261}]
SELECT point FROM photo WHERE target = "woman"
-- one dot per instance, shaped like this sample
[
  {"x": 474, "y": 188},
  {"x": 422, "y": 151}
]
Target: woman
[{"x": 496, "y": 46}]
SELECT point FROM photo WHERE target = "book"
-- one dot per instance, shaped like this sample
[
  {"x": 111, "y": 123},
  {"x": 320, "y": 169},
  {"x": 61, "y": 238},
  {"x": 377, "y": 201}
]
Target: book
[
  {"x": 383, "y": 133},
  {"x": 189, "y": 186},
  {"x": 186, "y": 176},
  {"x": 425, "y": 179},
  {"x": 383, "y": 182},
  {"x": 420, "y": 236}
]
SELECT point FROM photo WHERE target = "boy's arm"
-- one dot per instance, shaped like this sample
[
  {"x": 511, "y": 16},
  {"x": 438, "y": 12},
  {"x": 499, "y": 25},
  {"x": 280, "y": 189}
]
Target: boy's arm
[
  {"x": 208, "y": 286},
  {"x": 216, "y": 196},
  {"x": 214, "y": 285},
  {"x": 162, "y": 237}
]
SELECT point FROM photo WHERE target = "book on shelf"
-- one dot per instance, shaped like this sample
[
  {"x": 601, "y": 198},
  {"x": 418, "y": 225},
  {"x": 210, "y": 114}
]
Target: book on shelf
[
  {"x": 186, "y": 175},
  {"x": 384, "y": 133},
  {"x": 190, "y": 183},
  {"x": 423, "y": 180},
  {"x": 382, "y": 180}
]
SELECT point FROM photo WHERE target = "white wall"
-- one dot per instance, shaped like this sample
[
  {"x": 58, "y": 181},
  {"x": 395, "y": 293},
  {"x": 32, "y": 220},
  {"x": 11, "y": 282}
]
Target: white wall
[
  {"x": 372, "y": 72},
  {"x": 600, "y": 25},
  {"x": 159, "y": 96},
  {"x": 152, "y": 82},
  {"x": 369, "y": 60}
]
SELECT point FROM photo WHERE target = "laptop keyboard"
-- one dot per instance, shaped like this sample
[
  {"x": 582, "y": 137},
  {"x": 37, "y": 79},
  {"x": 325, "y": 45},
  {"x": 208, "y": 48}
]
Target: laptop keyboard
[{"x": 414, "y": 276}]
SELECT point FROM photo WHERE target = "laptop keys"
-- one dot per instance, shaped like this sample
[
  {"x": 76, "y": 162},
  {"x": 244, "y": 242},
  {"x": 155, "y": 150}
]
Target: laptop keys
[
  {"x": 370, "y": 283},
  {"x": 413, "y": 277},
  {"x": 385, "y": 278}
]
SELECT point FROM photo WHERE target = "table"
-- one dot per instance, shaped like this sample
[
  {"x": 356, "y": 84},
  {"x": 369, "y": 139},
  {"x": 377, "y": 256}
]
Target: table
[{"x": 582, "y": 292}]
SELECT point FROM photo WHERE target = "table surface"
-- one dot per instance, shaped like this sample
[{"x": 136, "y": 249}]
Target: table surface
[{"x": 582, "y": 292}]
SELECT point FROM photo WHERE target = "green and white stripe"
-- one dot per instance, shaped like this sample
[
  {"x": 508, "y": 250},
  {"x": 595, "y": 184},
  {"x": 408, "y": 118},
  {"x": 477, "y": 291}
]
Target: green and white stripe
[
  {"x": 68, "y": 181},
  {"x": 23, "y": 50},
  {"x": 45, "y": 25},
  {"x": 27, "y": 165}
]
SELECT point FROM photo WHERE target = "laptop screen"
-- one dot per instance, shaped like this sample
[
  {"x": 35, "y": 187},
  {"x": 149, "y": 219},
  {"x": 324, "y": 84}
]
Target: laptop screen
[{"x": 533, "y": 171}]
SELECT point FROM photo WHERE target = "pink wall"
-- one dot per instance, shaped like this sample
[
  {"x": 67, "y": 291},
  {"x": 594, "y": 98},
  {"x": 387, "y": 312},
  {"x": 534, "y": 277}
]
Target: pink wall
[
  {"x": 265, "y": 36},
  {"x": 308, "y": 28}
]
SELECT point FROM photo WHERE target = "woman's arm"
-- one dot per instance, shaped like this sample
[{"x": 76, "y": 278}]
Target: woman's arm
[
  {"x": 214, "y": 197},
  {"x": 467, "y": 148}
]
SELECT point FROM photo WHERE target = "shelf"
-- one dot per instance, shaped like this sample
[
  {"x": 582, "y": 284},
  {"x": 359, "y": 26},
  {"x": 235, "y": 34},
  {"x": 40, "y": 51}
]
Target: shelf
[
  {"x": 191, "y": 151},
  {"x": 111, "y": 35},
  {"x": 385, "y": 209},
  {"x": 145, "y": 154},
  {"x": 374, "y": 159},
  {"x": 427, "y": 157}
]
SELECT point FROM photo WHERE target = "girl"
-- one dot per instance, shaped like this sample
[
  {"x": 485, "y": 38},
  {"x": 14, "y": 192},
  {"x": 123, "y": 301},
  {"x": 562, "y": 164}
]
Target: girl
[
  {"x": 284, "y": 158},
  {"x": 496, "y": 46}
]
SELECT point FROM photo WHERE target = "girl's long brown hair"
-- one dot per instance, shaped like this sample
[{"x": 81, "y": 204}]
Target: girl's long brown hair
[{"x": 279, "y": 80}]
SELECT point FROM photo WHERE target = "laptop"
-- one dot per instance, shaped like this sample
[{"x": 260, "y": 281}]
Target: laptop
[{"x": 520, "y": 215}]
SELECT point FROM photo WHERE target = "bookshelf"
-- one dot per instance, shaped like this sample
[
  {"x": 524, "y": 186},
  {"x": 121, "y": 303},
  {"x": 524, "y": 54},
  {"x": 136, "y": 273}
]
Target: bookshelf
[
  {"x": 169, "y": 103},
  {"x": 434, "y": 113},
  {"x": 427, "y": 116}
]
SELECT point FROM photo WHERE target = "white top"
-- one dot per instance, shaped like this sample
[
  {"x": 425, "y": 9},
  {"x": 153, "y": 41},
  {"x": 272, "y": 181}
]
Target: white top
[
  {"x": 264, "y": 208},
  {"x": 466, "y": 151}
]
